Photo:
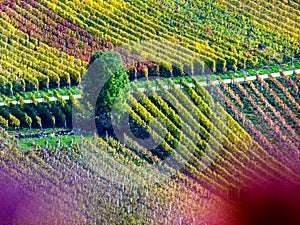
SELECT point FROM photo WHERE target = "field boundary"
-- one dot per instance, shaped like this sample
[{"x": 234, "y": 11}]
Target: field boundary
[{"x": 203, "y": 83}]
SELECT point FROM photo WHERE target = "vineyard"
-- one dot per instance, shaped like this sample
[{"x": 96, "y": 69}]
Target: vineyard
[{"x": 147, "y": 112}]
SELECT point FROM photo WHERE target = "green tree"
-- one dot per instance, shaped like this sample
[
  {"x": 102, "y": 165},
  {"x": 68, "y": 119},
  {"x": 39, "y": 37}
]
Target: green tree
[{"x": 105, "y": 88}]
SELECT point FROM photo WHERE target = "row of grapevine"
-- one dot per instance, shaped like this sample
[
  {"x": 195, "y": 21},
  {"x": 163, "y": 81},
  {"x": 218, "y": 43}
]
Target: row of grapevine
[
  {"x": 269, "y": 113},
  {"x": 56, "y": 166},
  {"x": 145, "y": 110},
  {"x": 272, "y": 109},
  {"x": 234, "y": 139},
  {"x": 39, "y": 23},
  {"x": 255, "y": 132},
  {"x": 47, "y": 114}
]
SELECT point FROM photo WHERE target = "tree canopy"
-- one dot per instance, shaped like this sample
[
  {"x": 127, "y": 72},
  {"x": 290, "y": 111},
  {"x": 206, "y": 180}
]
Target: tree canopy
[{"x": 105, "y": 88}]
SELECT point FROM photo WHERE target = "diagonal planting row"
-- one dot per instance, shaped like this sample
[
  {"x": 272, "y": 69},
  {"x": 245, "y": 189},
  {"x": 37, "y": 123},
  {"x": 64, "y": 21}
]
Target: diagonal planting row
[
  {"x": 215, "y": 144},
  {"x": 269, "y": 107},
  {"x": 82, "y": 172}
]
